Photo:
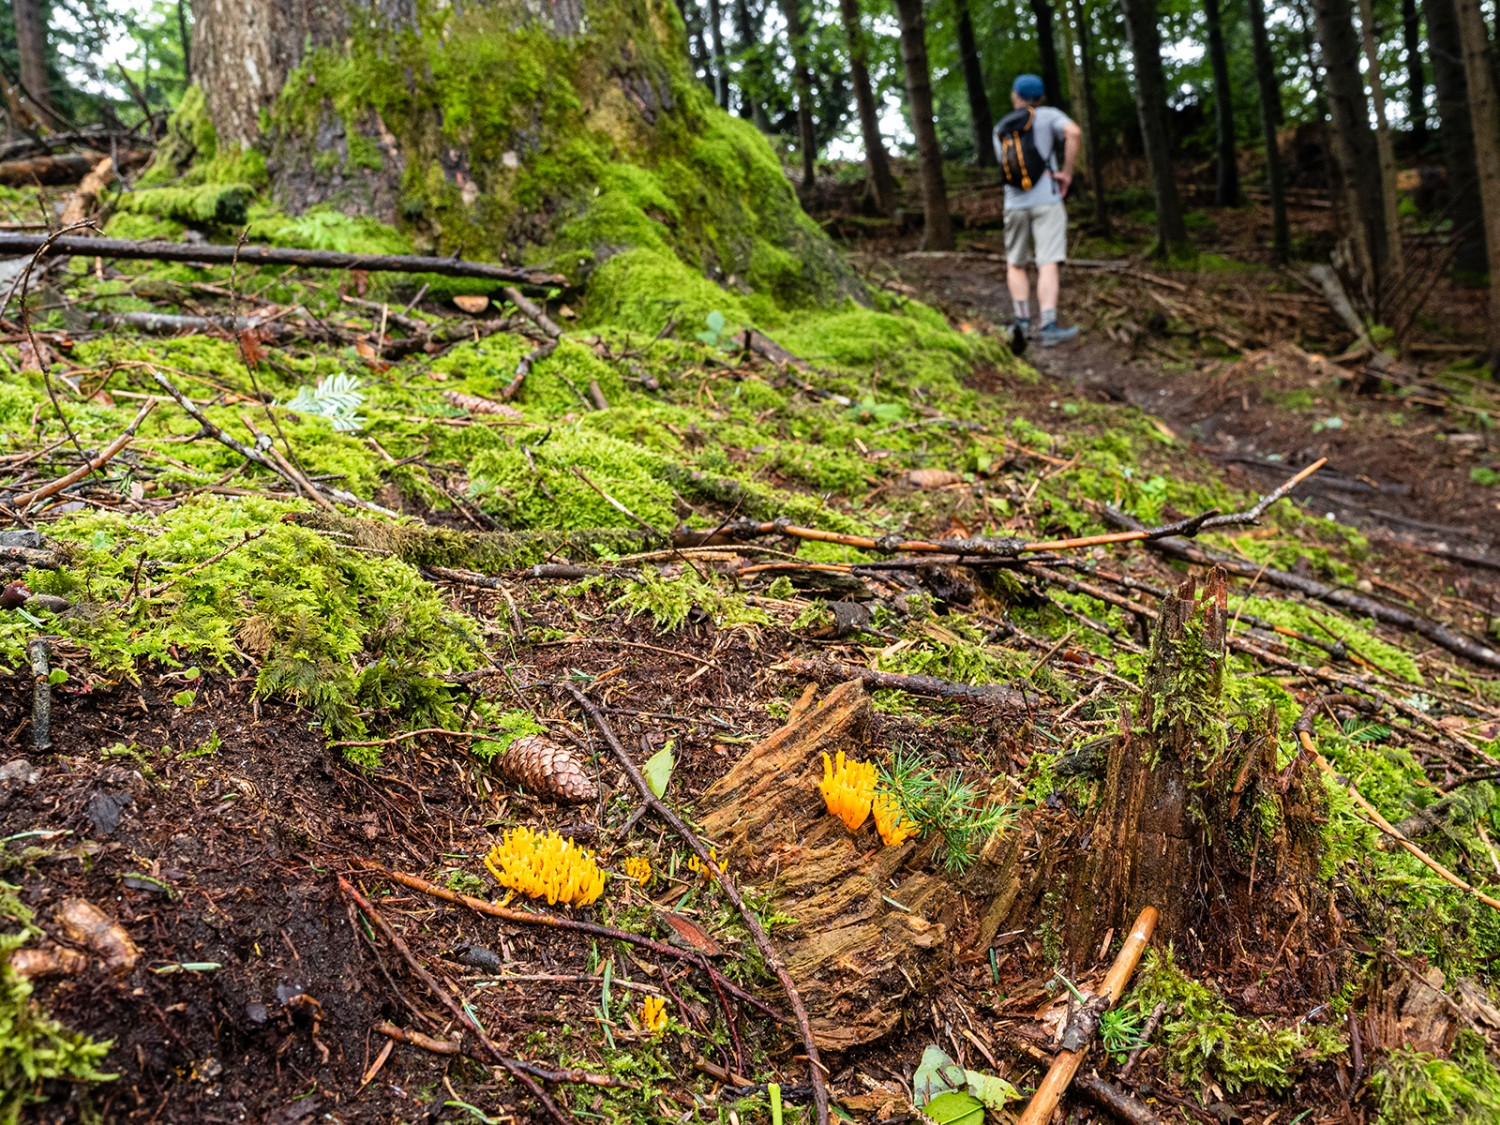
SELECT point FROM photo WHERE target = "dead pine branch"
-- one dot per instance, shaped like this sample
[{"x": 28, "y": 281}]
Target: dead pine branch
[
  {"x": 81, "y": 203},
  {"x": 105, "y": 455},
  {"x": 208, "y": 254},
  {"x": 491, "y": 1052},
  {"x": 523, "y": 368},
  {"x": 731, "y": 891},
  {"x": 1081, "y": 1029},
  {"x": 533, "y": 312}
]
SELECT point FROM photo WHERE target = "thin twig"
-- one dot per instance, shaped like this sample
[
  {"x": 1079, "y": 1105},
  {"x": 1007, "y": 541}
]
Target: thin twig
[
  {"x": 107, "y": 454},
  {"x": 455, "y": 1047},
  {"x": 731, "y": 891}
]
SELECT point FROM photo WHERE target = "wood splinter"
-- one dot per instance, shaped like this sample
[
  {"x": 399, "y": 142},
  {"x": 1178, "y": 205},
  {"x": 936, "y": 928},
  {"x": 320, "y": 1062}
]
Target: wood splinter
[{"x": 1081, "y": 1030}]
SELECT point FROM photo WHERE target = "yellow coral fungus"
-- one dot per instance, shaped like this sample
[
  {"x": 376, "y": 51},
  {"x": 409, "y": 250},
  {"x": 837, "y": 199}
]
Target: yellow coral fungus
[
  {"x": 894, "y": 823},
  {"x": 637, "y": 867},
  {"x": 544, "y": 865},
  {"x": 695, "y": 864},
  {"x": 848, "y": 788},
  {"x": 654, "y": 1015}
]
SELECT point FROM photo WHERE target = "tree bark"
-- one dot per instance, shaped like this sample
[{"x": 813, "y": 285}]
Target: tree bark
[
  {"x": 184, "y": 38},
  {"x": 1090, "y": 114},
  {"x": 31, "y": 49},
  {"x": 807, "y": 139},
  {"x": 1046, "y": 43},
  {"x": 1270, "y": 117},
  {"x": 1227, "y": 190},
  {"x": 1416, "y": 79},
  {"x": 716, "y": 45},
  {"x": 1075, "y": 82},
  {"x": 979, "y": 98},
  {"x": 747, "y": 29},
  {"x": 1383, "y": 145},
  {"x": 1354, "y": 147},
  {"x": 877, "y": 163},
  {"x": 1484, "y": 108},
  {"x": 938, "y": 227},
  {"x": 1151, "y": 103},
  {"x": 1470, "y": 261}
]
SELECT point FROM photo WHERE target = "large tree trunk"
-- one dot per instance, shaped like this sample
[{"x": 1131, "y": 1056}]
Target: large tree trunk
[
  {"x": 716, "y": 44},
  {"x": 31, "y": 47},
  {"x": 807, "y": 139},
  {"x": 1353, "y": 141},
  {"x": 938, "y": 227},
  {"x": 1416, "y": 80},
  {"x": 877, "y": 162},
  {"x": 1384, "y": 148},
  {"x": 1151, "y": 106},
  {"x": 1484, "y": 109},
  {"x": 1090, "y": 114},
  {"x": 747, "y": 31},
  {"x": 979, "y": 98},
  {"x": 1270, "y": 118},
  {"x": 1046, "y": 45},
  {"x": 1470, "y": 261},
  {"x": 1227, "y": 190},
  {"x": 570, "y": 132},
  {"x": 1075, "y": 79}
]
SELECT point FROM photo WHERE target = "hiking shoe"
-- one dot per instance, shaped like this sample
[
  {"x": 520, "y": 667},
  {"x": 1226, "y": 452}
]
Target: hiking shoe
[
  {"x": 1020, "y": 333},
  {"x": 1050, "y": 335}
]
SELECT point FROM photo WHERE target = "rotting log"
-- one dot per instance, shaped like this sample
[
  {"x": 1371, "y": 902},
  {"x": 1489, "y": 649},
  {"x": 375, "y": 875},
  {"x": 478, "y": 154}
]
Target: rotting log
[
  {"x": 872, "y": 923},
  {"x": 1187, "y": 800},
  {"x": 12, "y": 243}
]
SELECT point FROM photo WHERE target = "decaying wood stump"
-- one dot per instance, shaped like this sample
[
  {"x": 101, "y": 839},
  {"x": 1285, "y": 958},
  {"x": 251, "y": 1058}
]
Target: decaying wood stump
[
  {"x": 854, "y": 953},
  {"x": 1195, "y": 818}
]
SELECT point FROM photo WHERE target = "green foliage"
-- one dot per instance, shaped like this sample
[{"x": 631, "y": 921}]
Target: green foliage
[
  {"x": 503, "y": 728},
  {"x": 212, "y": 204},
  {"x": 34, "y": 1049},
  {"x": 336, "y": 398},
  {"x": 1415, "y": 1088},
  {"x": 669, "y": 601},
  {"x": 1208, "y": 1040},
  {"x": 945, "y": 805}
]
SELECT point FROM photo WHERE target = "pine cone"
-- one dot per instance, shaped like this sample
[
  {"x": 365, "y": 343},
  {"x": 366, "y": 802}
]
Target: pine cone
[{"x": 544, "y": 767}]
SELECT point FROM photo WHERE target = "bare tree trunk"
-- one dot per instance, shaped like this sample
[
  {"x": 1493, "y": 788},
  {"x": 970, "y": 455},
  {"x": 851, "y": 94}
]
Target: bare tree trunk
[
  {"x": 31, "y": 47},
  {"x": 1151, "y": 103},
  {"x": 1383, "y": 146},
  {"x": 1457, "y": 134},
  {"x": 1075, "y": 81},
  {"x": 1270, "y": 118},
  {"x": 877, "y": 162},
  {"x": 716, "y": 45},
  {"x": 1091, "y": 114},
  {"x": 1416, "y": 80},
  {"x": 184, "y": 39},
  {"x": 1484, "y": 110},
  {"x": 938, "y": 227},
  {"x": 747, "y": 28},
  {"x": 979, "y": 98},
  {"x": 1353, "y": 141},
  {"x": 807, "y": 139},
  {"x": 1046, "y": 43},
  {"x": 1227, "y": 191}
]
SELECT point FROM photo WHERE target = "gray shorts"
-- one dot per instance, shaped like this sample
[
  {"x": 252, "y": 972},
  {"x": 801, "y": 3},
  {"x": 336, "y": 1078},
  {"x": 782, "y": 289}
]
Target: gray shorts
[{"x": 1036, "y": 234}]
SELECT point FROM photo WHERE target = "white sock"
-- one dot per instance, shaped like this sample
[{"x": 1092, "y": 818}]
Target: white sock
[
  {"x": 1049, "y": 316},
  {"x": 1023, "y": 309}
]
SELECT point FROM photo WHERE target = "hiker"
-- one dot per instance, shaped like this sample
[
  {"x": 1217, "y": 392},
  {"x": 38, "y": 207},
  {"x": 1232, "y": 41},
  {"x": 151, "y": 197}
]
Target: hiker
[{"x": 1036, "y": 222}]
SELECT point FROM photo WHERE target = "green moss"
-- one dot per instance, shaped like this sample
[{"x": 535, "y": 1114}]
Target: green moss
[
  {"x": 219, "y": 204},
  {"x": 642, "y": 290},
  {"x": 34, "y": 1049},
  {"x": 1416, "y": 1088}
]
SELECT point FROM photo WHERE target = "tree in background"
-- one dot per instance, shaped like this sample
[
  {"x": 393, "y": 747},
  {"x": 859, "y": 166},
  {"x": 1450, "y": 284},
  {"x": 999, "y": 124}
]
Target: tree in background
[
  {"x": 1227, "y": 190},
  {"x": 937, "y": 232},
  {"x": 1151, "y": 106},
  {"x": 31, "y": 52},
  {"x": 1046, "y": 42},
  {"x": 1090, "y": 115},
  {"x": 1270, "y": 118},
  {"x": 1385, "y": 149},
  {"x": 881, "y": 183},
  {"x": 1484, "y": 109},
  {"x": 1456, "y": 133},
  {"x": 1416, "y": 80},
  {"x": 979, "y": 99}
]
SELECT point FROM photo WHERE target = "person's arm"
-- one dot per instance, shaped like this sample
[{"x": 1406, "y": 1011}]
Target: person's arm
[{"x": 1072, "y": 141}]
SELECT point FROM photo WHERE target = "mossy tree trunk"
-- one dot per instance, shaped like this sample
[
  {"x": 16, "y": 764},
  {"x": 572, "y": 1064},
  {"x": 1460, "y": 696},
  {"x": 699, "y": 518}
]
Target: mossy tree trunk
[{"x": 1191, "y": 810}]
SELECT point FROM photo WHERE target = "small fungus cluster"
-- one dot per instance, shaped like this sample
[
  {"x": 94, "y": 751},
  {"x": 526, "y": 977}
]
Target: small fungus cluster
[
  {"x": 544, "y": 865},
  {"x": 638, "y": 868},
  {"x": 654, "y": 1015},
  {"x": 851, "y": 791},
  {"x": 695, "y": 865}
]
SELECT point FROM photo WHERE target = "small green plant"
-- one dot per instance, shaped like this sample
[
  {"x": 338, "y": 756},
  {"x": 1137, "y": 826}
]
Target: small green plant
[
  {"x": 945, "y": 805},
  {"x": 337, "y": 397},
  {"x": 1415, "y": 1088},
  {"x": 1120, "y": 1030},
  {"x": 713, "y": 333},
  {"x": 1484, "y": 476}
]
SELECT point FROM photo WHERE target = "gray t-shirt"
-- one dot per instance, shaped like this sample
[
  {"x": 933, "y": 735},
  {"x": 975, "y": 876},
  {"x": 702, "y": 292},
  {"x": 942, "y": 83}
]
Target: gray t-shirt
[{"x": 1047, "y": 132}]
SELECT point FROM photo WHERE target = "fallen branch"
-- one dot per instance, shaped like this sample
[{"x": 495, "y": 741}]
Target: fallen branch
[
  {"x": 41, "y": 694},
  {"x": 1303, "y": 728},
  {"x": 1086, "y": 1022},
  {"x": 1334, "y": 595},
  {"x": 1143, "y": 1041},
  {"x": 997, "y": 694},
  {"x": 441, "y": 994},
  {"x": 66, "y": 169},
  {"x": 533, "y": 312},
  {"x": 146, "y": 250},
  {"x": 523, "y": 368},
  {"x": 731, "y": 891},
  {"x": 557, "y": 922},
  {"x": 105, "y": 455},
  {"x": 81, "y": 203},
  {"x": 455, "y": 1047}
]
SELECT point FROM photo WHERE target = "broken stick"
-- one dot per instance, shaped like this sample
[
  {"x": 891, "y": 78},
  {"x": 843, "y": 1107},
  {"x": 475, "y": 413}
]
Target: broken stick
[{"x": 1067, "y": 1061}]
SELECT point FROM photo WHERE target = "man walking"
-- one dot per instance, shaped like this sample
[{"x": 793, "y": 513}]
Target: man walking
[{"x": 1036, "y": 222}]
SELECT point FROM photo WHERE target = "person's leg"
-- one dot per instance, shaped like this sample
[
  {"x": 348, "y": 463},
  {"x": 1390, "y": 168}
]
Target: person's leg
[
  {"x": 1018, "y": 254},
  {"x": 1050, "y": 231},
  {"x": 1048, "y": 286}
]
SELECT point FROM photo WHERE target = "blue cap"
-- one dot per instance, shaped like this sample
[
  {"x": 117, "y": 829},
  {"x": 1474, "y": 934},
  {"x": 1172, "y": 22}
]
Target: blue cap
[{"x": 1029, "y": 87}]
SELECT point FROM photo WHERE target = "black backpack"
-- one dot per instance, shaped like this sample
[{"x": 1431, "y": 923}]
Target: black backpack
[{"x": 1021, "y": 162}]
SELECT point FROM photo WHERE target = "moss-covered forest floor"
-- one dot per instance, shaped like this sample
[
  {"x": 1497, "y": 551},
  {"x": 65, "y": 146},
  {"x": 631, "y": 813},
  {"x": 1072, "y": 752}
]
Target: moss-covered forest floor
[{"x": 254, "y": 695}]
